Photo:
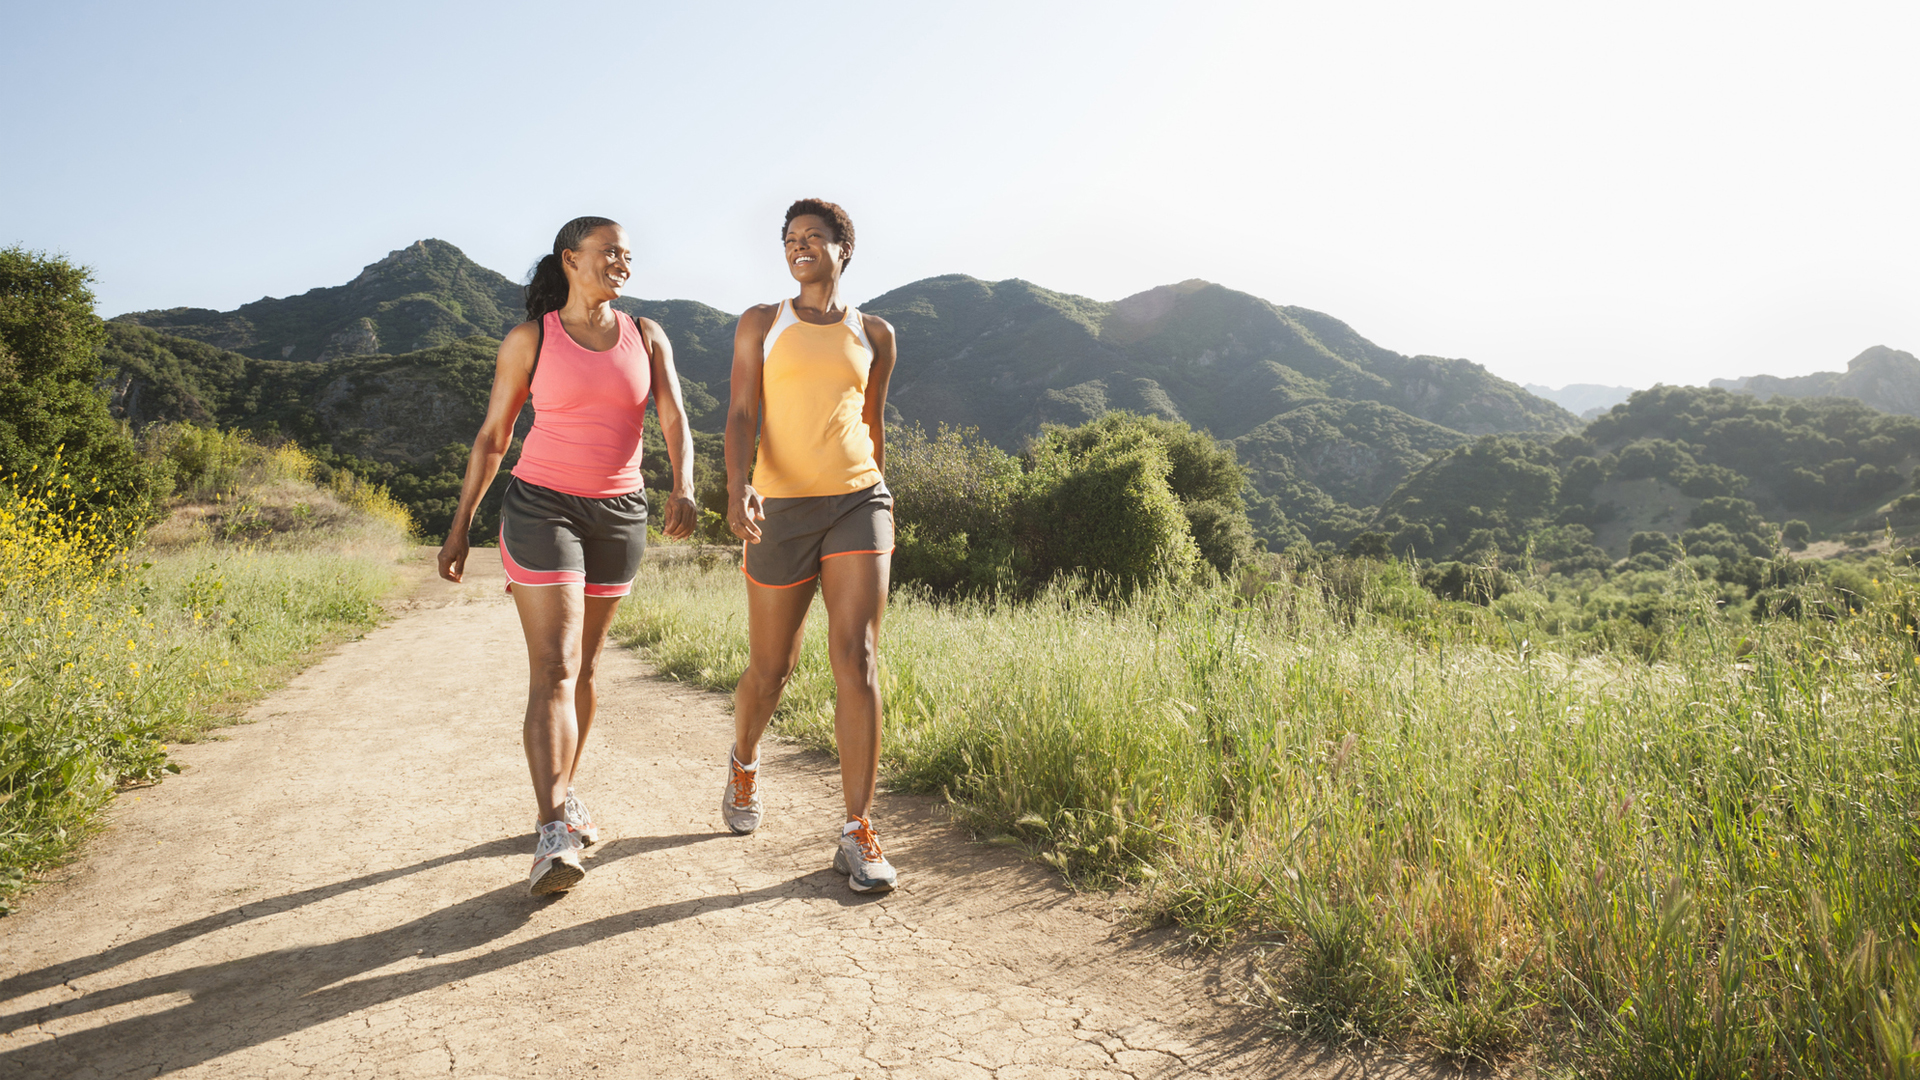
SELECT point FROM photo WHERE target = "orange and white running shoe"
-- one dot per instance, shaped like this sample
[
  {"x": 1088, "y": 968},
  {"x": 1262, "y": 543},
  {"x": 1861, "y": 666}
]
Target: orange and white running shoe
[
  {"x": 556, "y": 860},
  {"x": 740, "y": 803},
  {"x": 860, "y": 858}
]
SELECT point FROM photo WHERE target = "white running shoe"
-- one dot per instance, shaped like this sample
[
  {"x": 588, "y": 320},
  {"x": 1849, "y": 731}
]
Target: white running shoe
[
  {"x": 740, "y": 803},
  {"x": 574, "y": 813},
  {"x": 556, "y": 860},
  {"x": 859, "y": 857}
]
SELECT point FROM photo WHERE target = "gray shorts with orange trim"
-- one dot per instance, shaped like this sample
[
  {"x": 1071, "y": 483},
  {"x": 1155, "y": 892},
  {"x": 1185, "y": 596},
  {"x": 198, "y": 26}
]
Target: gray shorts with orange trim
[
  {"x": 549, "y": 537},
  {"x": 797, "y": 533}
]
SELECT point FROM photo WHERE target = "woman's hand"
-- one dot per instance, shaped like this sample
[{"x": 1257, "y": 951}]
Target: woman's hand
[
  {"x": 743, "y": 511},
  {"x": 453, "y": 557},
  {"x": 682, "y": 514}
]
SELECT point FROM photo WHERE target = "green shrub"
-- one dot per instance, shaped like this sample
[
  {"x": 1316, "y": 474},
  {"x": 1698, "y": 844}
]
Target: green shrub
[
  {"x": 1106, "y": 512},
  {"x": 51, "y": 406}
]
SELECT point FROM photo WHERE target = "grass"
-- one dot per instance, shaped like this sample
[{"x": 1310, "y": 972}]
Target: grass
[
  {"x": 1447, "y": 827},
  {"x": 108, "y": 653}
]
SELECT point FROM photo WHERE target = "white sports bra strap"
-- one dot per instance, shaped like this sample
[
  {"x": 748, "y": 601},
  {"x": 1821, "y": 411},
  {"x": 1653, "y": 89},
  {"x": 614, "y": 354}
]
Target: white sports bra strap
[{"x": 781, "y": 320}]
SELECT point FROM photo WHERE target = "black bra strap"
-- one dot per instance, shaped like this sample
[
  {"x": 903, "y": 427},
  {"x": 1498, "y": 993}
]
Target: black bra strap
[{"x": 539, "y": 342}]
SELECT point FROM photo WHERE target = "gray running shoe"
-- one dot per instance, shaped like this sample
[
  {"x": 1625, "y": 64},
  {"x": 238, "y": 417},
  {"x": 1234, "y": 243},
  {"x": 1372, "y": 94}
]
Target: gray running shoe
[
  {"x": 556, "y": 860},
  {"x": 740, "y": 803},
  {"x": 859, "y": 857},
  {"x": 574, "y": 813}
]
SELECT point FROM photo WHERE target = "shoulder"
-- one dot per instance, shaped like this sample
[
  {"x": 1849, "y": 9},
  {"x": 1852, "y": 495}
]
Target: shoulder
[
  {"x": 755, "y": 321},
  {"x": 524, "y": 338},
  {"x": 647, "y": 327},
  {"x": 758, "y": 317},
  {"x": 877, "y": 328}
]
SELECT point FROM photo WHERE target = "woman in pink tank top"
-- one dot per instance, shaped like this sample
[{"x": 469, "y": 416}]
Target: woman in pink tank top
[{"x": 574, "y": 517}]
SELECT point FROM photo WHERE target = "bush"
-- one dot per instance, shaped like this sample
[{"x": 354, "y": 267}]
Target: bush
[
  {"x": 1107, "y": 512},
  {"x": 1126, "y": 501},
  {"x": 1459, "y": 581},
  {"x": 1202, "y": 474},
  {"x": 954, "y": 499}
]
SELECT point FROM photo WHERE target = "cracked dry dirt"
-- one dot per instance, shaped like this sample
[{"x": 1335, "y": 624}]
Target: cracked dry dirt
[{"x": 338, "y": 889}]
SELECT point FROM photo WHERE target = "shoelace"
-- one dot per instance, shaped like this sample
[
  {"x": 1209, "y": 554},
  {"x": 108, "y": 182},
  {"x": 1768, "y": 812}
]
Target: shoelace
[
  {"x": 573, "y": 811},
  {"x": 743, "y": 786},
  {"x": 553, "y": 840},
  {"x": 869, "y": 844}
]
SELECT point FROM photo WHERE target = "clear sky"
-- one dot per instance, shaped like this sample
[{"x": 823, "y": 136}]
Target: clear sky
[{"x": 1621, "y": 193}]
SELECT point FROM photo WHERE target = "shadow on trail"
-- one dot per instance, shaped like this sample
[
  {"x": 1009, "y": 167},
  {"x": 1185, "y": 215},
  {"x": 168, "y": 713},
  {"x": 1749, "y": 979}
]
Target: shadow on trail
[{"x": 246, "y": 1002}]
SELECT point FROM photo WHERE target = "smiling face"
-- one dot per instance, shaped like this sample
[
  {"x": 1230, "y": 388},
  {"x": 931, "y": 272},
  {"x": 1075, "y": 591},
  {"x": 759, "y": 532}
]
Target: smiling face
[
  {"x": 812, "y": 252},
  {"x": 600, "y": 266}
]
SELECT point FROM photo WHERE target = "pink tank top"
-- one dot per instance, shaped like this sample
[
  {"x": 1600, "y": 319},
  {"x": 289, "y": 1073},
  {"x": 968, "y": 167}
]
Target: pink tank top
[{"x": 587, "y": 410}]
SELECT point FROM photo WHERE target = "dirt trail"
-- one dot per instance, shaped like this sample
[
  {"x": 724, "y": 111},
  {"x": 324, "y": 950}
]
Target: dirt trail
[{"x": 339, "y": 890}]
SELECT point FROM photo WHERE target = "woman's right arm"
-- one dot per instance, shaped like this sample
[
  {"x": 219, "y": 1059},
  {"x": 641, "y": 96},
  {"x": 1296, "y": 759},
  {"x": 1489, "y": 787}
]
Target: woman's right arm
[
  {"x": 743, "y": 420},
  {"x": 512, "y": 372}
]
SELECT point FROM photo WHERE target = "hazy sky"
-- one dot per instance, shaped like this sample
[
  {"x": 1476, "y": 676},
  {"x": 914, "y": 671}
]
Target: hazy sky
[{"x": 1617, "y": 193}]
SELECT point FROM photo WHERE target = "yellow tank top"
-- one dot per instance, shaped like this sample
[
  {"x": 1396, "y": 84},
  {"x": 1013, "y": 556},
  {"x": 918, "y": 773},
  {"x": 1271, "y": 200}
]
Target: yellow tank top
[{"x": 813, "y": 393}]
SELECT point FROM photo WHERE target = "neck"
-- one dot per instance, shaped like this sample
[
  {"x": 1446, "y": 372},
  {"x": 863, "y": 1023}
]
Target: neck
[
  {"x": 820, "y": 295},
  {"x": 587, "y": 308}
]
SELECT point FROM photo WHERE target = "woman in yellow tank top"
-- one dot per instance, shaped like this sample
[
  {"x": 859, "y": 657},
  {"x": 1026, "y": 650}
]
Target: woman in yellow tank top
[{"x": 810, "y": 385}]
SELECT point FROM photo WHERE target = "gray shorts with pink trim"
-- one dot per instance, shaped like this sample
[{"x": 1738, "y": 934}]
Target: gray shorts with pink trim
[
  {"x": 797, "y": 534},
  {"x": 549, "y": 537}
]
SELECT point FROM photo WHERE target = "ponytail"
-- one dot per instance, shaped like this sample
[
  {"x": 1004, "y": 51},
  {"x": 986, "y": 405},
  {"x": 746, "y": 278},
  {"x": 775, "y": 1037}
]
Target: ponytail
[{"x": 547, "y": 282}]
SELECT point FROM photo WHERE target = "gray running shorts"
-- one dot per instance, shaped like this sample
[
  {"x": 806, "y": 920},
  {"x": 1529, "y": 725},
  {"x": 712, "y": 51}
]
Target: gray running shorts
[
  {"x": 549, "y": 537},
  {"x": 797, "y": 533}
]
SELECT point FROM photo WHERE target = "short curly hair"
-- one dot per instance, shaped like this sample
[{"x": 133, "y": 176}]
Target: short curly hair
[{"x": 834, "y": 214}]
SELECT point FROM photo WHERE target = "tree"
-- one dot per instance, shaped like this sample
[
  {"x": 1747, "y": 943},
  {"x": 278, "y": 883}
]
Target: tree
[{"x": 53, "y": 414}]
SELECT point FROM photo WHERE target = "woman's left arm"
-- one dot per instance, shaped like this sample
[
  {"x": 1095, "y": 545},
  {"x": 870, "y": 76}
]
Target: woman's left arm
[
  {"x": 880, "y": 333},
  {"x": 681, "y": 514}
]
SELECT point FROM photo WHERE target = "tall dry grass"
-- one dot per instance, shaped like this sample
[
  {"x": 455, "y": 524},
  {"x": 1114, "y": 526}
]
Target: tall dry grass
[{"x": 1451, "y": 828}]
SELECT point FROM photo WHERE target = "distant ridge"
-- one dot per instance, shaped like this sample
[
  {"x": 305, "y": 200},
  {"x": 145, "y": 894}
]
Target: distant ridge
[
  {"x": 1886, "y": 379},
  {"x": 1587, "y": 400}
]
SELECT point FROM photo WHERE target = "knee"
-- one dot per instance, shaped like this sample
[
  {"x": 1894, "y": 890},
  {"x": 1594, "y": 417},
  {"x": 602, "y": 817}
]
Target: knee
[
  {"x": 855, "y": 659},
  {"x": 554, "y": 670},
  {"x": 766, "y": 678}
]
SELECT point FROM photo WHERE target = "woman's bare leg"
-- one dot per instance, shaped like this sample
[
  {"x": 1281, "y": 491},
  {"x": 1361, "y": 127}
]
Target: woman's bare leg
[
  {"x": 855, "y": 590},
  {"x": 776, "y": 621},
  {"x": 598, "y": 619},
  {"x": 552, "y": 617}
]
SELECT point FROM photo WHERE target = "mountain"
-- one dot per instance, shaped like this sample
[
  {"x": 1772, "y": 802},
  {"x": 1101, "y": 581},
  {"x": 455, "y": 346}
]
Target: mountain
[
  {"x": 1326, "y": 421},
  {"x": 426, "y": 294},
  {"x": 1886, "y": 379},
  {"x": 1588, "y": 400},
  {"x": 388, "y": 374}
]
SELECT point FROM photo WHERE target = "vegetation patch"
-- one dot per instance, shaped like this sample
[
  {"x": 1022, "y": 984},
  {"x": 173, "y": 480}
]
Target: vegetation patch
[
  {"x": 1466, "y": 826},
  {"x": 111, "y": 652}
]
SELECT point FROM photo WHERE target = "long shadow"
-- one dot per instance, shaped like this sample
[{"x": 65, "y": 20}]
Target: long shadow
[{"x": 249, "y": 1001}]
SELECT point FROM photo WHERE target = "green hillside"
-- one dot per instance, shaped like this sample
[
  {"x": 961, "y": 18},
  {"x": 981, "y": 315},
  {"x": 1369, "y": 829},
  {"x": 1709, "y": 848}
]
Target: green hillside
[
  {"x": 423, "y": 295},
  {"x": 1327, "y": 422},
  {"x": 1709, "y": 471},
  {"x": 388, "y": 372}
]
